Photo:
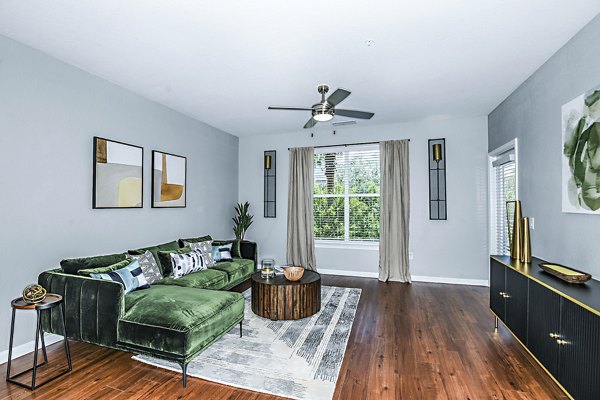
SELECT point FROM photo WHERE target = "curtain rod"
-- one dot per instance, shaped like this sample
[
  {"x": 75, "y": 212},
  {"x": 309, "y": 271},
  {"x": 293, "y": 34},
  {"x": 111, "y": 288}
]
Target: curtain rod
[{"x": 346, "y": 144}]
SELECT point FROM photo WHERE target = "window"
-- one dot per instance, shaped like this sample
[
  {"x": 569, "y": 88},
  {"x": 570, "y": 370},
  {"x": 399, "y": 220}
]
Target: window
[
  {"x": 503, "y": 189},
  {"x": 346, "y": 195}
]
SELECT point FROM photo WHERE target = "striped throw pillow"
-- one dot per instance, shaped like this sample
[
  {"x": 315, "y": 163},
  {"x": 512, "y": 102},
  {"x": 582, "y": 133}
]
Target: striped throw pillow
[
  {"x": 186, "y": 263},
  {"x": 131, "y": 277}
]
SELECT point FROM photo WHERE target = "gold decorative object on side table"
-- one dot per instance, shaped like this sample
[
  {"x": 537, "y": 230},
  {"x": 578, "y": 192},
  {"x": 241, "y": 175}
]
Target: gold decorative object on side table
[{"x": 33, "y": 294}]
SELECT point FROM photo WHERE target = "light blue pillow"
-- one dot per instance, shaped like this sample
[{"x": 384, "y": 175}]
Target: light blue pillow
[
  {"x": 131, "y": 277},
  {"x": 222, "y": 252}
]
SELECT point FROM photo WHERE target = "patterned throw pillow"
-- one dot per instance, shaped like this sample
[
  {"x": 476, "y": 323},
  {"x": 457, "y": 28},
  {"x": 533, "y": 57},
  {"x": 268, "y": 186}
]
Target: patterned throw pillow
[
  {"x": 131, "y": 277},
  {"x": 186, "y": 263},
  {"x": 235, "y": 246},
  {"x": 149, "y": 267},
  {"x": 206, "y": 249},
  {"x": 222, "y": 252}
]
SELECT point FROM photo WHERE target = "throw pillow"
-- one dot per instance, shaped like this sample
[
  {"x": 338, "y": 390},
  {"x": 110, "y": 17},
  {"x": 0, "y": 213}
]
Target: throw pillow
[
  {"x": 206, "y": 249},
  {"x": 194, "y": 240},
  {"x": 131, "y": 277},
  {"x": 104, "y": 270},
  {"x": 154, "y": 250},
  {"x": 235, "y": 246},
  {"x": 222, "y": 252},
  {"x": 186, "y": 263},
  {"x": 165, "y": 259},
  {"x": 72, "y": 265},
  {"x": 149, "y": 267}
]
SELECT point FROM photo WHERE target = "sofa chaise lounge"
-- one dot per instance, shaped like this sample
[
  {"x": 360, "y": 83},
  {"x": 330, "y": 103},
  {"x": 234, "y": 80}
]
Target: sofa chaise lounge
[{"x": 174, "y": 319}]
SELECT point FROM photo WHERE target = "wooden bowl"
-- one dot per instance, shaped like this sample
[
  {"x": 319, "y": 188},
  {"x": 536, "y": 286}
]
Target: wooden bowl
[{"x": 293, "y": 273}]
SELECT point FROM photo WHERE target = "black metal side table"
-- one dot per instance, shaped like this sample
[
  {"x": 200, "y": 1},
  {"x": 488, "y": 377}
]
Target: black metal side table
[{"x": 51, "y": 301}]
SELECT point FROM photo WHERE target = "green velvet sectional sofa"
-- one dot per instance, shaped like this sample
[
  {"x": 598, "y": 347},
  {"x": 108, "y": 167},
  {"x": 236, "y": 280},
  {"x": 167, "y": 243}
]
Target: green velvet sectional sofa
[{"x": 174, "y": 319}]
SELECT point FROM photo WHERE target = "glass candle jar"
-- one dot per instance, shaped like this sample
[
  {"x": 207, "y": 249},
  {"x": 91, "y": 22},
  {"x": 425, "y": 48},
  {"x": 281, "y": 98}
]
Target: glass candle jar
[{"x": 268, "y": 268}]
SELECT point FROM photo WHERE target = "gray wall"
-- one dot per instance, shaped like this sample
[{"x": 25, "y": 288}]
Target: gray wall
[
  {"x": 533, "y": 115},
  {"x": 432, "y": 242},
  {"x": 49, "y": 112}
]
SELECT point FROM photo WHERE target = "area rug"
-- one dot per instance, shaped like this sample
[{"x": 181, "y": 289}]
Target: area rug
[{"x": 295, "y": 359}]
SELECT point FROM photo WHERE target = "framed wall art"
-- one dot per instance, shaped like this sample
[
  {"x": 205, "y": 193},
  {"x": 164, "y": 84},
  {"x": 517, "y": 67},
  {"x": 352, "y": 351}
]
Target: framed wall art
[
  {"x": 168, "y": 180},
  {"x": 581, "y": 153},
  {"x": 118, "y": 180}
]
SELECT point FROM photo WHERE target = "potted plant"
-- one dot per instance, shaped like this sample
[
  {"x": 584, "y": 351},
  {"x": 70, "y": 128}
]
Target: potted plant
[{"x": 242, "y": 220}]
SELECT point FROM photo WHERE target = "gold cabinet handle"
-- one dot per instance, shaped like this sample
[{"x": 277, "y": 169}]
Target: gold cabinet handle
[
  {"x": 506, "y": 296},
  {"x": 554, "y": 335},
  {"x": 502, "y": 294},
  {"x": 561, "y": 342}
]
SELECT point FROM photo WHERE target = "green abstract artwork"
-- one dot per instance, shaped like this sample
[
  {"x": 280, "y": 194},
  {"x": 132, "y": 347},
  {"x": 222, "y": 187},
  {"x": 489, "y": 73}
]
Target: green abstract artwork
[{"x": 581, "y": 154}]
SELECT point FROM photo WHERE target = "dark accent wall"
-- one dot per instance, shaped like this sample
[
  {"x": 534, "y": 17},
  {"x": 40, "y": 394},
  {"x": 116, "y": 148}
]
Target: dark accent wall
[{"x": 532, "y": 113}]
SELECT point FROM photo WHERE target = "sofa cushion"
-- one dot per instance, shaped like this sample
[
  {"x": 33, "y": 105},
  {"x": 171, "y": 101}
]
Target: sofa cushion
[
  {"x": 235, "y": 246},
  {"x": 194, "y": 240},
  {"x": 236, "y": 270},
  {"x": 206, "y": 279},
  {"x": 164, "y": 256},
  {"x": 73, "y": 265},
  {"x": 177, "y": 320},
  {"x": 130, "y": 276},
  {"x": 149, "y": 267},
  {"x": 205, "y": 248},
  {"x": 154, "y": 250},
  {"x": 187, "y": 263},
  {"x": 104, "y": 270},
  {"x": 222, "y": 252}
]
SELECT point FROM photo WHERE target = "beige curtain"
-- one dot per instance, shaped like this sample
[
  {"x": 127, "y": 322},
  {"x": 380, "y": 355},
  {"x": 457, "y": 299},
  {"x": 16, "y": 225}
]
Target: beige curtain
[
  {"x": 300, "y": 240},
  {"x": 395, "y": 211}
]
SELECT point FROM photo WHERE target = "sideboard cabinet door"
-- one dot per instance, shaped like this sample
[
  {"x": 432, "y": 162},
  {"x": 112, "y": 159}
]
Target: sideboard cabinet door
[
  {"x": 579, "y": 357},
  {"x": 497, "y": 288},
  {"x": 516, "y": 304},
  {"x": 543, "y": 325}
]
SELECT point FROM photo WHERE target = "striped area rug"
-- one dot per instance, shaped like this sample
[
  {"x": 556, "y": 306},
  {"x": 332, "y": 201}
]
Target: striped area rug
[{"x": 295, "y": 359}]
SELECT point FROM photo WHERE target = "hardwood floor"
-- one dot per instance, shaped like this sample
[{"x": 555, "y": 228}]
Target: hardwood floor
[{"x": 419, "y": 341}]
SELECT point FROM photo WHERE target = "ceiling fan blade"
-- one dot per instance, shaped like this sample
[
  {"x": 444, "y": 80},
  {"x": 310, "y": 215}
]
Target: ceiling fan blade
[
  {"x": 354, "y": 113},
  {"x": 338, "y": 96},
  {"x": 311, "y": 122},
  {"x": 289, "y": 108}
]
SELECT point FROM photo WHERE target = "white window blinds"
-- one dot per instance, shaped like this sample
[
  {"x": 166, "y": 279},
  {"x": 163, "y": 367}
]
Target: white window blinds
[
  {"x": 346, "y": 194},
  {"x": 505, "y": 188}
]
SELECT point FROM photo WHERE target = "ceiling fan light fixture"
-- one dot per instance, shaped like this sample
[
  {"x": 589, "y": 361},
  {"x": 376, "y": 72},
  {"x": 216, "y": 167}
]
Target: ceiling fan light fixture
[{"x": 322, "y": 115}]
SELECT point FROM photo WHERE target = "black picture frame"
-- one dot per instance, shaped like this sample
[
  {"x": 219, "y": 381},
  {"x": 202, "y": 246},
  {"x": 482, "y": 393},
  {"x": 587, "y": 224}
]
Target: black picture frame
[
  {"x": 270, "y": 184},
  {"x": 438, "y": 201},
  {"x": 155, "y": 203},
  {"x": 98, "y": 203}
]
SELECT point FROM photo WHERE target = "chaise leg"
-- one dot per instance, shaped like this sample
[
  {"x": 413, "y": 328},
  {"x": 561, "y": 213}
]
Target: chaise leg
[
  {"x": 184, "y": 372},
  {"x": 240, "y": 328},
  {"x": 496, "y": 323}
]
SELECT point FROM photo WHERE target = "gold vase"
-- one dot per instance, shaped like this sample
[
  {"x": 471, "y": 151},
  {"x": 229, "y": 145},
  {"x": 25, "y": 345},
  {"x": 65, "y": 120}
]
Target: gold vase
[
  {"x": 516, "y": 247},
  {"x": 526, "y": 241}
]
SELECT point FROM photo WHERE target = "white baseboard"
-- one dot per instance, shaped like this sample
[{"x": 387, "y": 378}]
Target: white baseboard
[
  {"x": 430, "y": 279},
  {"x": 451, "y": 281},
  {"x": 361, "y": 274},
  {"x": 27, "y": 348}
]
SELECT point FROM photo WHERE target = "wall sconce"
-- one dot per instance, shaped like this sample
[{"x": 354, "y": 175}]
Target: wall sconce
[
  {"x": 437, "y": 179},
  {"x": 270, "y": 187}
]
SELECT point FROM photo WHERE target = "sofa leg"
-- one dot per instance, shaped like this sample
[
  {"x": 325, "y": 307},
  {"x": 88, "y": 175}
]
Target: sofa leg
[
  {"x": 184, "y": 372},
  {"x": 240, "y": 328}
]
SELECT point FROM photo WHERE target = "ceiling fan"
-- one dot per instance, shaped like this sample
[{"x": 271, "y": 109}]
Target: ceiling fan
[{"x": 324, "y": 110}]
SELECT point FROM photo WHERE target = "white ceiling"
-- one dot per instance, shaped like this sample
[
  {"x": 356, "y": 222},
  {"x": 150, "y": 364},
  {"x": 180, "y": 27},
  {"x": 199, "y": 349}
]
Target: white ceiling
[{"x": 223, "y": 62}]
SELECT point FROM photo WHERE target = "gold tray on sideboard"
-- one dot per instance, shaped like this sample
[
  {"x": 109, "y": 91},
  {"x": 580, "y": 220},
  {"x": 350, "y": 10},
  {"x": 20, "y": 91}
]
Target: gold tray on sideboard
[{"x": 567, "y": 274}]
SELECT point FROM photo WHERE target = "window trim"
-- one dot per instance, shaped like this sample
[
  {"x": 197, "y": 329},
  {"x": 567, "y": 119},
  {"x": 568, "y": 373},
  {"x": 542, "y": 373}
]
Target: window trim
[
  {"x": 492, "y": 156},
  {"x": 346, "y": 242}
]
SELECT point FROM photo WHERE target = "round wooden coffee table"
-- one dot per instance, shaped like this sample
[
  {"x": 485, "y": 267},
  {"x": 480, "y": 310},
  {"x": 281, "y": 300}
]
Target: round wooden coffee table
[{"x": 277, "y": 298}]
